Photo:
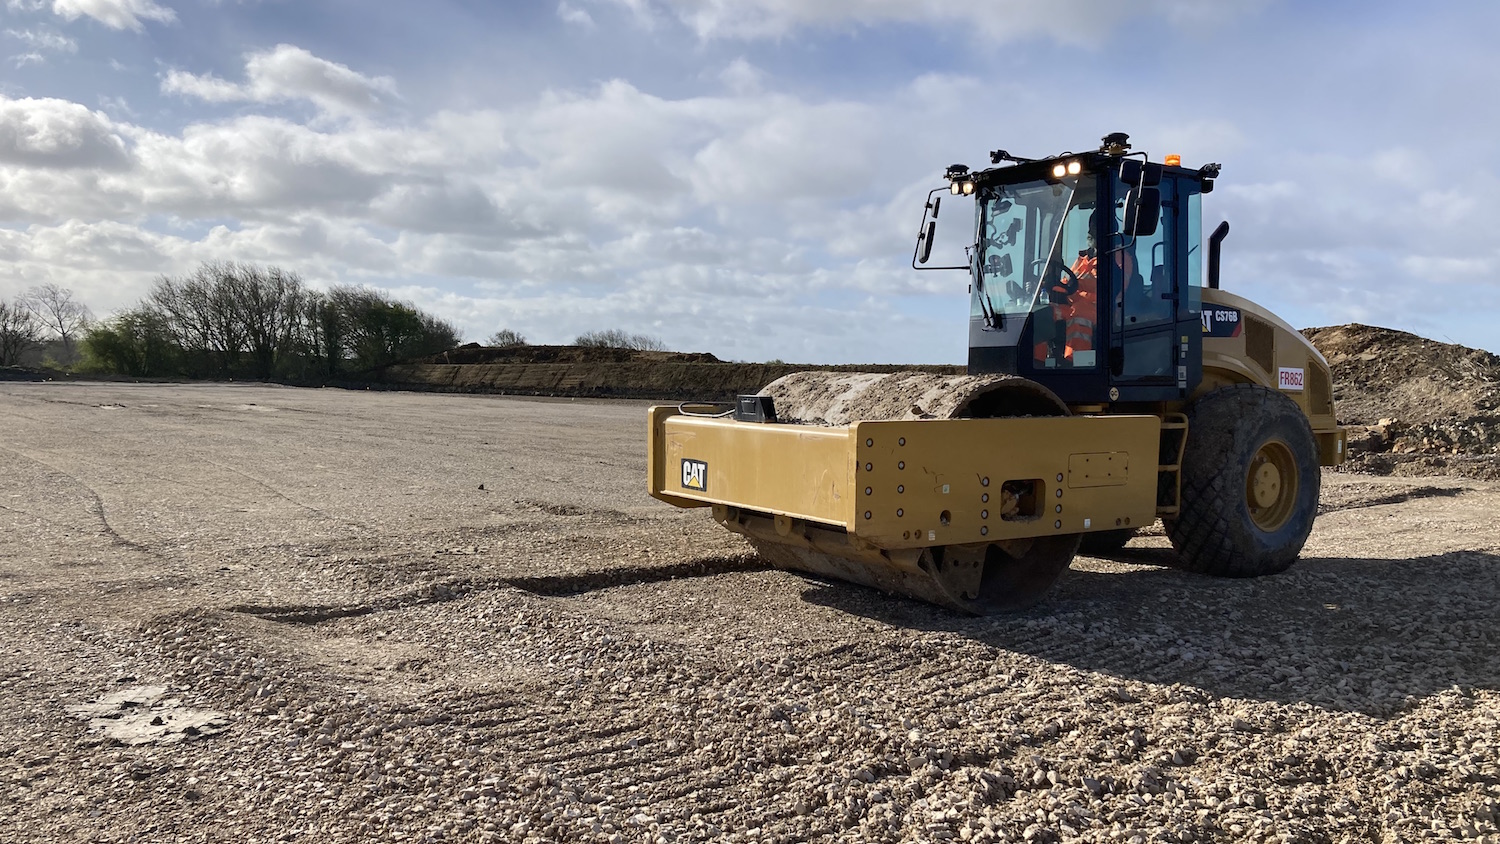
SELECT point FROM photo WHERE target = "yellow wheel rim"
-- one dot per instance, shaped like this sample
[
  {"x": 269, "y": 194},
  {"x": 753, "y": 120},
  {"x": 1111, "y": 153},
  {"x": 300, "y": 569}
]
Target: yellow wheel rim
[{"x": 1271, "y": 486}]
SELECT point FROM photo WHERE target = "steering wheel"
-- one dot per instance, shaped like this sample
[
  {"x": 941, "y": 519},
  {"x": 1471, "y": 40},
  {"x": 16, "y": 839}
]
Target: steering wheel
[{"x": 1067, "y": 280}]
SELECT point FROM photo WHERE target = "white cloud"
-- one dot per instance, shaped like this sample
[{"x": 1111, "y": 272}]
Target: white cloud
[
  {"x": 39, "y": 43},
  {"x": 256, "y": 166},
  {"x": 57, "y": 134},
  {"x": 790, "y": 150},
  {"x": 44, "y": 39},
  {"x": 574, "y": 15},
  {"x": 115, "y": 14},
  {"x": 1069, "y": 21},
  {"x": 207, "y": 87},
  {"x": 289, "y": 73},
  {"x": 610, "y": 205},
  {"x": 742, "y": 77}
]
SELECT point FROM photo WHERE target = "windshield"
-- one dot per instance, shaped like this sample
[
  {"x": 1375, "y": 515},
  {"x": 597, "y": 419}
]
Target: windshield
[
  {"x": 1021, "y": 236},
  {"x": 1035, "y": 256}
]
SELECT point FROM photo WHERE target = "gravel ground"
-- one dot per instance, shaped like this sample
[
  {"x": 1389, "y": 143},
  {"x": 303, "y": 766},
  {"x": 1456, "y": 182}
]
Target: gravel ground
[{"x": 262, "y": 614}]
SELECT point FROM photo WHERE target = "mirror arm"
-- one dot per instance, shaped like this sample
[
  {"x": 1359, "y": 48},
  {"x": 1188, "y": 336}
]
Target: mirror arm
[{"x": 926, "y": 233}]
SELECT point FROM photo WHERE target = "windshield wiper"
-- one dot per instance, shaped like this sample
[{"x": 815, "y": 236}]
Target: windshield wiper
[{"x": 992, "y": 321}]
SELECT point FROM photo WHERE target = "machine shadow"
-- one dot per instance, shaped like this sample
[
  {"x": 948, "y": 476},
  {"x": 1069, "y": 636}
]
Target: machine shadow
[{"x": 1339, "y": 633}]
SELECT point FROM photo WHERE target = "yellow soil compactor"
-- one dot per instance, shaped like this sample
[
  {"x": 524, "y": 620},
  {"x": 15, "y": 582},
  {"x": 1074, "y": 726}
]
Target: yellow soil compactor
[{"x": 1110, "y": 383}]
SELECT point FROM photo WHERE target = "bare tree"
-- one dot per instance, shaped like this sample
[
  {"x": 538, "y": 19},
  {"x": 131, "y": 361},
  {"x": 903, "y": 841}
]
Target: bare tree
[
  {"x": 203, "y": 314},
  {"x": 19, "y": 331},
  {"x": 614, "y": 338},
  {"x": 506, "y": 337},
  {"x": 323, "y": 333},
  {"x": 268, "y": 304},
  {"x": 58, "y": 312}
]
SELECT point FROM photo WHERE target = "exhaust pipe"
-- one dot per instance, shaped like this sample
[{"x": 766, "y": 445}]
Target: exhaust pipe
[{"x": 1215, "y": 243}]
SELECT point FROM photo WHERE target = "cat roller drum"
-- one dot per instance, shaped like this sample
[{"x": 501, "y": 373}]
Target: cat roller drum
[{"x": 1110, "y": 383}]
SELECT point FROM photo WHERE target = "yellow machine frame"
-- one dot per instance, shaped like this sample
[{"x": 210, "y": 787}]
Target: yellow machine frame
[{"x": 914, "y": 484}]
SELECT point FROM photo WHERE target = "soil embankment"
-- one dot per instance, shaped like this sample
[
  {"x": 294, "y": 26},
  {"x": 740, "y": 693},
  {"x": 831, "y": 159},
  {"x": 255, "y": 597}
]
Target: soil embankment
[
  {"x": 1414, "y": 406},
  {"x": 600, "y": 373}
]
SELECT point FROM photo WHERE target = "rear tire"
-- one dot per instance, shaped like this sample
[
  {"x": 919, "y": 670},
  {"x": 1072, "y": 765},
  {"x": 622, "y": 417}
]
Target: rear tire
[
  {"x": 1105, "y": 543},
  {"x": 1250, "y": 484}
]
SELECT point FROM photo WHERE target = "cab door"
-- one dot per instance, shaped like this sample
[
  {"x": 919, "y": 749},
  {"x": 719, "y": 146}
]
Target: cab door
[{"x": 1151, "y": 346}]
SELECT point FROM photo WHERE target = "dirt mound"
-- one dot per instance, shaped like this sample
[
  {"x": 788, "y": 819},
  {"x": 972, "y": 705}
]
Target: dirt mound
[
  {"x": 1414, "y": 406},
  {"x": 26, "y": 373},
  {"x": 842, "y": 398},
  {"x": 474, "y": 353},
  {"x": 583, "y": 371}
]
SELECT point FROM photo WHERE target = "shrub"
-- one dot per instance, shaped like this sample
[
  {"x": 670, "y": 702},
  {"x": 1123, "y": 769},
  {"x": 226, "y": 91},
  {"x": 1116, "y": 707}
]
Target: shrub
[
  {"x": 614, "y": 338},
  {"x": 137, "y": 342},
  {"x": 506, "y": 337}
]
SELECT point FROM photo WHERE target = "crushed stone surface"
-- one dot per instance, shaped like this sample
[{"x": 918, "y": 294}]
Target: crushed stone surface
[{"x": 427, "y": 617}]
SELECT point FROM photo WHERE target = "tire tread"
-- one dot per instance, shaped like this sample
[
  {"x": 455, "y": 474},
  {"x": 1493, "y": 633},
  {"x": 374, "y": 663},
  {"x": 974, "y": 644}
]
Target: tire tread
[{"x": 1213, "y": 533}]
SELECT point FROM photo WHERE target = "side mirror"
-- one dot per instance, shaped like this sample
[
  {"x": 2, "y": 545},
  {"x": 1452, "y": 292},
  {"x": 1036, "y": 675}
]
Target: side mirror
[
  {"x": 924, "y": 242},
  {"x": 927, "y": 234},
  {"x": 1142, "y": 210}
]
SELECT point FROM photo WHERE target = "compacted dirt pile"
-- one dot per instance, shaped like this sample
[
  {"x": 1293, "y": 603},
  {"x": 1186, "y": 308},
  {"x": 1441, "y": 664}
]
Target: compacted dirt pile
[{"x": 1414, "y": 406}]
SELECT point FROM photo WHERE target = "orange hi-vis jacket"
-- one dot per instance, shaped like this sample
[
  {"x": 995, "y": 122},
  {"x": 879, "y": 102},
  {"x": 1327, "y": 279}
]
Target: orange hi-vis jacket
[{"x": 1079, "y": 311}]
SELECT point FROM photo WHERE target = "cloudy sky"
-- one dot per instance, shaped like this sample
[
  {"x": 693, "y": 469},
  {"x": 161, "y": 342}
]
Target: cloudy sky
[{"x": 742, "y": 177}]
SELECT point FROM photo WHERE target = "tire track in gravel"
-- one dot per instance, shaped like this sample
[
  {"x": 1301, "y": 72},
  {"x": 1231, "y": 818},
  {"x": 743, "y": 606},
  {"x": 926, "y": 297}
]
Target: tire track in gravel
[
  {"x": 860, "y": 666},
  {"x": 561, "y": 755},
  {"x": 546, "y": 586},
  {"x": 94, "y": 506},
  {"x": 266, "y": 485},
  {"x": 596, "y": 760}
]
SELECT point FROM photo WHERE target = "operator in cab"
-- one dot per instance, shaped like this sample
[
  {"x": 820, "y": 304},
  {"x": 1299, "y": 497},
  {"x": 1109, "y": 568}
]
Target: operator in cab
[{"x": 1074, "y": 298}]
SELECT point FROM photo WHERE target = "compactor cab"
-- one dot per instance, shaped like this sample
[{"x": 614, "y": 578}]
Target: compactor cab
[
  {"x": 1087, "y": 272},
  {"x": 1110, "y": 383}
]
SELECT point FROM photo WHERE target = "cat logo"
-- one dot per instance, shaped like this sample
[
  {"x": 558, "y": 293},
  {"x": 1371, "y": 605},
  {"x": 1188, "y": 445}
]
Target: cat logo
[
  {"x": 695, "y": 475},
  {"x": 1219, "y": 321}
]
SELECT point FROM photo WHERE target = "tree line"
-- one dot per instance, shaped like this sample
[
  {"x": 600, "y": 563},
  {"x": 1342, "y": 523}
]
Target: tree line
[
  {"x": 237, "y": 320},
  {"x": 42, "y": 310},
  {"x": 228, "y": 319}
]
